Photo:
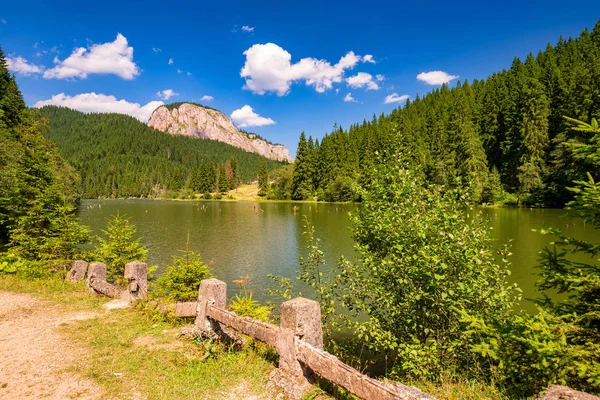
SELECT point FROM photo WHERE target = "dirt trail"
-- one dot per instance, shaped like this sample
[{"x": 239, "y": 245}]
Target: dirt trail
[{"x": 34, "y": 356}]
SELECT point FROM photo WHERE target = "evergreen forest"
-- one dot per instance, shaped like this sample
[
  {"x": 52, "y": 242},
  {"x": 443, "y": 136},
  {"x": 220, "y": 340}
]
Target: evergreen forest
[{"x": 503, "y": 135}]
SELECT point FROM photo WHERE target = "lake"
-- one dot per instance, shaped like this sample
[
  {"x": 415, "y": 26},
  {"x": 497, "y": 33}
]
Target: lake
[{"x": 256, "y": 239}]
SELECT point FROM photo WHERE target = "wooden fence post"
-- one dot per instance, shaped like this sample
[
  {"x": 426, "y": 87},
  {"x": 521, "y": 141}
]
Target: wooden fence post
[
  {"x": 300, "y": 319},
  {"x": 212, "y": 292}
]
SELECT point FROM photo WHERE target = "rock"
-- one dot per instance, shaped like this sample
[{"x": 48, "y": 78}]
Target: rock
[
  {"x": 204, "y": 123},
  {"x": 557, "y": 392},
  {"x": 96, "y": 271},
  {"x": 294, "y": 387},
  {"x": 116, "y": 305},
  {"x": 77, "y": 271},
  {"x": 137, "y": 274}
]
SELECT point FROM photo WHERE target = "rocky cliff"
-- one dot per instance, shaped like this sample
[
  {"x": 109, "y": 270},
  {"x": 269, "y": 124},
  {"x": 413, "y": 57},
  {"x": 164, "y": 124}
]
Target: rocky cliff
[{"x": 206, "y": 123}]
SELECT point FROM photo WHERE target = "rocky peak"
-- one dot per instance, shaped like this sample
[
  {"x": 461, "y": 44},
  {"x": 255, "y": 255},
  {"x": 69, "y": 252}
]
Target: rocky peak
[{"x": 207, "y": 123}]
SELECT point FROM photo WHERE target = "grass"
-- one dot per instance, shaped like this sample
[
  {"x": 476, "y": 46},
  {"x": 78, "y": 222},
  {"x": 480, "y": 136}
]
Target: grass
[{"x": 129, "y": 352}]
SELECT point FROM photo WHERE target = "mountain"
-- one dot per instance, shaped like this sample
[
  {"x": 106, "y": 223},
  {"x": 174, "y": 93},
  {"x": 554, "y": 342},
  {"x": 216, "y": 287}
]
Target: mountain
[
  {"x": 119, "y": 156},
  {"x": 202, "y": 122}
]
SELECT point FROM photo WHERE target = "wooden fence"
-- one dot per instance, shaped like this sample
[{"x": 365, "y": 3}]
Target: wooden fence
[{"x": 298, "y": 339}]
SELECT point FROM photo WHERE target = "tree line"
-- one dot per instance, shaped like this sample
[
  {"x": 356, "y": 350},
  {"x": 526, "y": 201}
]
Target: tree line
[
  {"x": 504, "y": 135},
  {"x": 119, "y": 156}
]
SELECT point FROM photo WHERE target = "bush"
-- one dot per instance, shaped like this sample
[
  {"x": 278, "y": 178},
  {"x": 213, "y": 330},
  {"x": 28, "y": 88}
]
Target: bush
[
  {"x": 207, "y": 196},
  {"x": 9, "y": 263},
  {"x": 118, "y": 248},
  {"x": 244, "y": 305},
  {"x": 181, "y": 279},
  {"x": 423, "y": 258},
  {"x": 343, "y": 189},
  {"x": 218, "y": 196}
]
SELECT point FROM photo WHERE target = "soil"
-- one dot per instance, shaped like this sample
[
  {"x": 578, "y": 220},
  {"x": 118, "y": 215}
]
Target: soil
[{"x": 35, "y": 359}]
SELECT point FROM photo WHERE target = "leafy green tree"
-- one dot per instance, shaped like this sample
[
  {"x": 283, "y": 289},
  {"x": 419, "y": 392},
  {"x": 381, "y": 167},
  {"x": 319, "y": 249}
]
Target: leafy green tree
[
  {"x": 561, "y": 344},
  {"x": 424, "y": 256},
  {"x": 118, "y": 247}
]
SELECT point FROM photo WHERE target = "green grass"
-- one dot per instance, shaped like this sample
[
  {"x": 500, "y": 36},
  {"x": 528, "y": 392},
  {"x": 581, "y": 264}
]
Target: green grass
[
  {"x": 161, "y": 367},
  {"x": 127, "y": 351}
]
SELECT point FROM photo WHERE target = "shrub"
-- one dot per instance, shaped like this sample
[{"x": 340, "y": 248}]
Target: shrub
[
  {"x": 423, "y": 258},
  {"x": 118, "y": 248},
  {"x": 218, "y": 196},
  {"x": 207, "y": 196},
  {"x": 244, "y": 305},
  {"x": 181, "y": 280}
]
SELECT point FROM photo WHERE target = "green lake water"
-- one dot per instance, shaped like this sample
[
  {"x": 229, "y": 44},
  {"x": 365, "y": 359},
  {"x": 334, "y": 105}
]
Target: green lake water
[{"x": 256, "y": 239}]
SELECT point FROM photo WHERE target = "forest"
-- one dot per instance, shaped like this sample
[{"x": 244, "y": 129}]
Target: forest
[
  {"x": 119, "y": 156},
  {"x": 504, "y": 135}
]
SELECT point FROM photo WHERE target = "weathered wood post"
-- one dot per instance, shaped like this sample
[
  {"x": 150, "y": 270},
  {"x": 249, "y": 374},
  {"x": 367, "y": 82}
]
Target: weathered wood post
[
  {"x": 300, "y": 319},
  {"x": 212, "y": 292},
  {"x": 137, "y": 274},
  {"x": 96, "y": 272},
  {"x": 77, "y": 271}
]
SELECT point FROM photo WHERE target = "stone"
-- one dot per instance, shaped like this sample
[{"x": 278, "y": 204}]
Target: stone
[
  {"x": 206, "y": 123},
  {"x": 96, "y": 271},
  {"x": 116, "y": 305},
  {"x": 293, "y": 387},
  {"x": 107, "y": 289},
  {"x": 299, "y": 320},
  {"x": 303, "y": 316},
  {"x": 558, "y": 392},
  {"x": 77, "y": 271},
  {"x": 212, "y": 292},
  {"x": 137, "y": 274}
]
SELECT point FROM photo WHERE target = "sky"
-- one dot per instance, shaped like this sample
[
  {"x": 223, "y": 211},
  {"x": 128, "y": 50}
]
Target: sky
[{"x": 276, "y": 68}]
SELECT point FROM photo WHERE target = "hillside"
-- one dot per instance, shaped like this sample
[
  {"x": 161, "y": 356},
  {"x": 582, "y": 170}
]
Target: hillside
[
  {"x": 119, "y": 156},
  {"x": 195, "y": 120}
]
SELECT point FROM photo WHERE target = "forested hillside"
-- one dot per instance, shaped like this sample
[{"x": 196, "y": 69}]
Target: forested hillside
[
  {"x": 118, "y": 156},
  {"x": 504, "y": 135}
]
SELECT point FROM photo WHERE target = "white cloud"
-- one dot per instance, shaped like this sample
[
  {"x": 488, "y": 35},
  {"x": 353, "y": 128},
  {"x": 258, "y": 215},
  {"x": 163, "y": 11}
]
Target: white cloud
[
  {"x": 101, "y": 103},
  {"x": 380, "y": 78},
  {"x": 268, "y": 68},
  {"x": 394, "y": 98},
  {"x": 156, "y": 50},
  {"x": 247, "y": 28},
  {"x": 171, "y": 61},
  {"x": 368, "y": 58},
  {"x": 179, "y": 71},
  {"x": 166, "y": 94},
  {"x": 362, "y": 79},
  {"x": 245, "y": 117},
  {"x": 350, "y": 99},
  {"x": 3, "y": 21},
  {"x": 207, "y": 98},
  {"x": 107, "y": 58},
  {"x": 436, "y": 77},
  {"x": 189, "y": 74},
  {"x": 21, "y": 66}
]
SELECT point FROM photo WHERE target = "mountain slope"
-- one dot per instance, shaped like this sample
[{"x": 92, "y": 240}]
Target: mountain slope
[
  {"x": 197, "y": 121},
  {"x": 119, "y": 156}
]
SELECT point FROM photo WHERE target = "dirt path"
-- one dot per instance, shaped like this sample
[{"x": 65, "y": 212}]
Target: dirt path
[{"x": 34, "y": 356}]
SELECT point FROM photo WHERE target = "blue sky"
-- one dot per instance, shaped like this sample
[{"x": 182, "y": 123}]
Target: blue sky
[{"x": 290, "y": 70}]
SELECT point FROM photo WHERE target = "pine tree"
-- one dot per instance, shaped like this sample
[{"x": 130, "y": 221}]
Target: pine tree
[
  {"x": 301, "y": 180},
  {"x": 263, "y": 178}
]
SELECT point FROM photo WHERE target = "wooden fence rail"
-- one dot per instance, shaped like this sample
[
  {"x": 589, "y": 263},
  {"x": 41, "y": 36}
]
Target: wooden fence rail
[{"x": 298, "y": 340}]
